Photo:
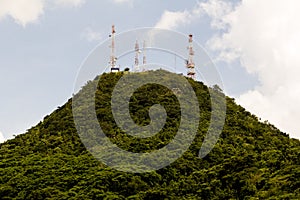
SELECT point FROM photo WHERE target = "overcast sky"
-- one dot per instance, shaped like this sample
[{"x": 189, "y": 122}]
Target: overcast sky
[{"x": 255, "y": 45}]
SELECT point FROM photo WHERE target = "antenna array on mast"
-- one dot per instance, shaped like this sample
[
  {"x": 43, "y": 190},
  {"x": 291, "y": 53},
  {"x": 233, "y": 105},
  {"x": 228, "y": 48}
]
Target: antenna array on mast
[
  {"x": 136, "y": 58},
  {"x": 113, "y": 58},
  {"x": 190, "y": 65},
  {"x": 190, "y": 62},
  {"x": 144, "y": 53}
]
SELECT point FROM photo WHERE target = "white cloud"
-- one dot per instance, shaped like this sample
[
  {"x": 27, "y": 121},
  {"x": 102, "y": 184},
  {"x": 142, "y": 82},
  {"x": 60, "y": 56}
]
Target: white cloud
[
  {"x": 2, "y": 139},
  {"x": 129, "y": 3},
  {"x": 122, "y": 1},
  {"x": 91, "y": 35},
  {"x": 25, "y": 12},
  {"x": 264, "y": 37},
  {"x": 171, "y": 20},
  {"x": 217, "y": 10},
  {"x": 21, "y": 11},
  {"x": 75, "y": 3},
  {"x": 174, "y": 19}
]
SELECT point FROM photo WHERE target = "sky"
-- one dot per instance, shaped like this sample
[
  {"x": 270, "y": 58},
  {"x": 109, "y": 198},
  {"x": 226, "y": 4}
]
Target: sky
[{"x": 254, "y": 44}]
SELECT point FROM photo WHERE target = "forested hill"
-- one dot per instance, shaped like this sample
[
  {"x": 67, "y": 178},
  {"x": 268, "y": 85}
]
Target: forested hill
[{"x": 251, "y": 160}]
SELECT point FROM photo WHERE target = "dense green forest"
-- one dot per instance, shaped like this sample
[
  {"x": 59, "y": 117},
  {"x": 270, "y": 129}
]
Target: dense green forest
[{"x": 251, "y": 160}]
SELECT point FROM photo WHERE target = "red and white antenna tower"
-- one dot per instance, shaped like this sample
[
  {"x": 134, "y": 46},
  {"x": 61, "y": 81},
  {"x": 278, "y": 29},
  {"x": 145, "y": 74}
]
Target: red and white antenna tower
[
  {"x": 190, "y": 62},
  {"x": 136, "y": 59},
  {"x": 113, "y": 58}
]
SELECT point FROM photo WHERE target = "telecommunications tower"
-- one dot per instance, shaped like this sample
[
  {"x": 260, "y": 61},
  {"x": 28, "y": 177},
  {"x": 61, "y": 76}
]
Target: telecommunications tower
[
  {"x": 190, "y": 62},
  {"x": 136, "y": 58},
  {"x": 144, "y": 53},
  {"x": 113, "y": 58}
]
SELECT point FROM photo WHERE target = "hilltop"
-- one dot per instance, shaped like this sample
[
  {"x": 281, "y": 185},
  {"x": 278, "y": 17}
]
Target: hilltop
[{"x": 251, "y": 160}]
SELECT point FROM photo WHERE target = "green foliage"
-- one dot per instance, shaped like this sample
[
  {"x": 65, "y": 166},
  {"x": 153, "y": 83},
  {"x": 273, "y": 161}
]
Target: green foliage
[{"x": 252, "y": 160}]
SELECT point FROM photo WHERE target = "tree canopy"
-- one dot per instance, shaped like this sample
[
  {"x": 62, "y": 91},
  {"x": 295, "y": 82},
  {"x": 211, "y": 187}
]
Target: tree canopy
[{"x": 251, "y": 160}]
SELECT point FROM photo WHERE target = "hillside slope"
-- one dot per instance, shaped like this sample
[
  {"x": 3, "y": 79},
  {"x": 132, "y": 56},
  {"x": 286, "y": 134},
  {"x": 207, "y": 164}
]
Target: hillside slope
[{"x": 251, "y": 160}]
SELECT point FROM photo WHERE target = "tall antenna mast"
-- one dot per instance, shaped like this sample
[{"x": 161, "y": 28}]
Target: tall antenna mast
[
  {"x": 144, "y": 53},
  {"x": 190, "y": 62},
  {"x": 113, "y": 58},
  {"x": 136, "y": 59}
]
